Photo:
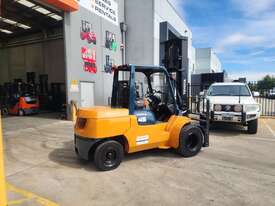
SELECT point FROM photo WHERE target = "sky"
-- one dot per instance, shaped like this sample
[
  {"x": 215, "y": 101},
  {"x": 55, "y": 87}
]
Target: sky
[{"x": 241, "y": 32}]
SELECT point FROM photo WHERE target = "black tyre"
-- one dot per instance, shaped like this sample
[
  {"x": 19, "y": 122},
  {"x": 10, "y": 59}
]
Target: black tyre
[
  {"x": 190, "y": 142},
  {"x": 252, "y": 127},
  {"x": 108, "y": 155}
]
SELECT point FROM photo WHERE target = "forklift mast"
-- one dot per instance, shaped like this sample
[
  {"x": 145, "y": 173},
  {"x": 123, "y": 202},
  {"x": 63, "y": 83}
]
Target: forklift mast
[{"x": 176, "y": 61}]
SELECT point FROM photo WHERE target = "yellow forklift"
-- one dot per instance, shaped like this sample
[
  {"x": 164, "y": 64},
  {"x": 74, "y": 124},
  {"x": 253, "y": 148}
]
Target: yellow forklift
[{"x": 136, "y": 121}]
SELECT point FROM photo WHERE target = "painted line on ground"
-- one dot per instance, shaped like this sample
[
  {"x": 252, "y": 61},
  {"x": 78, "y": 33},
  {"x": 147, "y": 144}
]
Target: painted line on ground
[
  {"x": 18, "y": 202},
  {"x": 269, "y": 128},
  {"x": 28, "y": 196}
]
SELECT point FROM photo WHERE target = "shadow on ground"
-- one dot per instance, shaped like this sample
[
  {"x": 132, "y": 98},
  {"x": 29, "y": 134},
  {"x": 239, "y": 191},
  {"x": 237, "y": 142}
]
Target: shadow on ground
[
  {"x": 66, "y": 156},
  {"x": 40, "y": 115},
  {"x": 227, "y": 130}
]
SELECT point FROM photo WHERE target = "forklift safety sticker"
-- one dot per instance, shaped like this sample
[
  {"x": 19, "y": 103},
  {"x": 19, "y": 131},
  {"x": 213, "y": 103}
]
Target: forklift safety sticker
[
  {"x": 142, "y": 140},
  {"x": 86, "y": 32}
]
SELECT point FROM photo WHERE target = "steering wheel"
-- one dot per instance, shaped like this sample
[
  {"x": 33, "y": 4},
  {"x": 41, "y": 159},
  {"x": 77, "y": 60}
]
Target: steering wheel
[
  {"x": 157, "y": 92},
  {"x": 153, "y": 99}
]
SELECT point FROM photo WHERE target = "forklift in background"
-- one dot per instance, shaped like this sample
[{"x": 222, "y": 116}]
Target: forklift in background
[{"x": 23, "y": 99}]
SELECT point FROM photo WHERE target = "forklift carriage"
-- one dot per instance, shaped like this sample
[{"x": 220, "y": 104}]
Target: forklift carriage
[{"x": 138, "y": 120}]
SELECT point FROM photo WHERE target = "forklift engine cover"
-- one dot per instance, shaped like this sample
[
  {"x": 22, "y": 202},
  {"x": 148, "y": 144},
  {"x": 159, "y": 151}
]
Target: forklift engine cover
[{"x": 101, "y": 123}]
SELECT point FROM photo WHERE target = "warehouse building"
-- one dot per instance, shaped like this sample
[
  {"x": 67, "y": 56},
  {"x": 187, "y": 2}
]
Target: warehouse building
[
  {"x": 65, "y": 49},
  {"x": 147, "y": 33},
  {"x": 32, "y": 53},
  {"x": 93, "y": 42},
  {"x": 207, "y": 61}
]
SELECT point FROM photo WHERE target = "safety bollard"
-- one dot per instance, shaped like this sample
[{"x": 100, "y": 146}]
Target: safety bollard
[
  {"x": 74, "y": 109},
  {"x": 3, "y": 194}
]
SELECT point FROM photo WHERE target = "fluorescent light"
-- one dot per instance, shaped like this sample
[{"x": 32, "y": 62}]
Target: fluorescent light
[
  {"x": 14, "y": 23},
  {"x": 26, "y": 3},
  {"x": 56, "y": 17},
  {"x": 6, "y": 31},
  {"x": 41, "y": 10},
  {"x": 9, "y": 21},
  {"x": 23, "y": 26}
]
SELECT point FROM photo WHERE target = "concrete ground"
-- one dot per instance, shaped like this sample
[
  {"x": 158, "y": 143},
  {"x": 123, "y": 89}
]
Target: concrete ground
[{"x": 237, "y": 169}]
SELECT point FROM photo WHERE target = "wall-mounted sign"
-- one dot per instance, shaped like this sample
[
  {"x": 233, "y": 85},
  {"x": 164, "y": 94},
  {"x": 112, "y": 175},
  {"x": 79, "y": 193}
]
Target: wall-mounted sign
[
  {"x": 89, "y": 59},
  {"x": 110, "y": 42},
  {"x": 86, "y": 32},
  {"x": 107, "y": 9},
  {"x": 109, "y": 64}
]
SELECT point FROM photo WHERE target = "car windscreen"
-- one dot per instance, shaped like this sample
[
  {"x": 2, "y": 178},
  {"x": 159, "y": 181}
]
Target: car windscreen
[{"x": 228, "y": 90}]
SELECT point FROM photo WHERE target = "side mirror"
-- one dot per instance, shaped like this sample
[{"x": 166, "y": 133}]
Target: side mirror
[{"x": 203, "y": 93}]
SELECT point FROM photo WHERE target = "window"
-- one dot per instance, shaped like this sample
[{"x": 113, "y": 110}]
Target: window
[{"x": 229, "y": 90}]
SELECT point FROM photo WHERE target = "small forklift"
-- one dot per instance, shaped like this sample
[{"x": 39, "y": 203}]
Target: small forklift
[
  {"x": 24, "y": 104},
  {"x": 138, "y": 121},
  {"x": 22, "y": 98}
]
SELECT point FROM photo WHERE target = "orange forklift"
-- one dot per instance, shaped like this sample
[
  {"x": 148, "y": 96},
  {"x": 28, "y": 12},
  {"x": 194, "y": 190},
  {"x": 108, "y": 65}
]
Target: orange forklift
[
  {"x": 137, "y": 122},
  {"x": 22, "y": 98},
  {"x": 158, "y": 118},
  {"x": 24, "y": 104}
]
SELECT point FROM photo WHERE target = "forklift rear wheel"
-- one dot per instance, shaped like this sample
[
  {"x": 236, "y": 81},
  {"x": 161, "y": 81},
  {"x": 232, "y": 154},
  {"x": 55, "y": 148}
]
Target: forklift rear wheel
[
  {"x": 21, "y": 113},
  {"x": 108, "y": 155},
  {"x": 190, "y": 142}
]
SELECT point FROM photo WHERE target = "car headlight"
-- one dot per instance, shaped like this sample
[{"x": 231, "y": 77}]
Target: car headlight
[
  {"x": 238, "y": 108},
  {"x": 252, "y": 108},
  {"x": 217, "y": 107}
]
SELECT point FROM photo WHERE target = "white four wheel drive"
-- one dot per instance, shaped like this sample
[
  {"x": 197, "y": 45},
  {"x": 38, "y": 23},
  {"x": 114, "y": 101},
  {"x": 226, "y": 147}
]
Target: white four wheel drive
[{"x": 233, "y": 103}]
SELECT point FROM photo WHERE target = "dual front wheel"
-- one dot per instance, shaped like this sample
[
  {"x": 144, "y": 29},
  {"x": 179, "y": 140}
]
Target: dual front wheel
[
  {"x": 109, "y": 154},
  {"x": 191, "y": 141}
]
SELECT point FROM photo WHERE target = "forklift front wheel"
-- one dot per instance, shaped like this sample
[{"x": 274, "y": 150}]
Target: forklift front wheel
[
  {"x": 21, "y": 112},
  {"x": 190, "y": 141},
  {"x": 108, "y": 155}
]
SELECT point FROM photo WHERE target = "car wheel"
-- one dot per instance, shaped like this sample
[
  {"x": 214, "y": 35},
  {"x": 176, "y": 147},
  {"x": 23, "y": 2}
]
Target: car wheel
[
  {"x": 108, "y": 155},
  {"x": 253, "y": 126},
  {"x": 190, "y": 141},
  {"x": 21, "y": 112}
]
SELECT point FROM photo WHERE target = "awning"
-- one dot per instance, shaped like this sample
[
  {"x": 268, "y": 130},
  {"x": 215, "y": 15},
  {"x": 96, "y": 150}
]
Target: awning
[{"x": 65, "y": 5}]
